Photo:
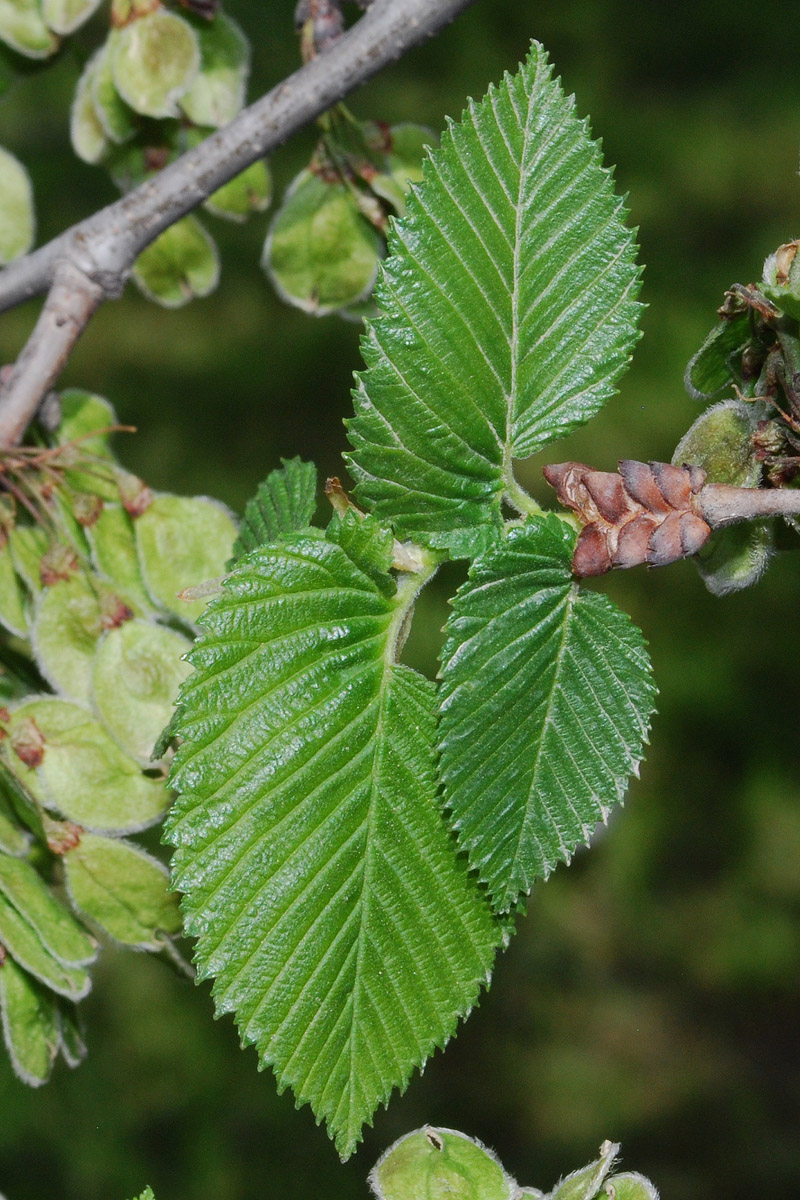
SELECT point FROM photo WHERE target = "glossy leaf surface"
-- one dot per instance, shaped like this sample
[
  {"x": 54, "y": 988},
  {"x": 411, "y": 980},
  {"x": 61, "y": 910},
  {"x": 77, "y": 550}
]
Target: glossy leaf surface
[
  {"x": 320, "y": 880},
  {"x": 509, "y": 311},
  {"x": 546, "y": 702}
]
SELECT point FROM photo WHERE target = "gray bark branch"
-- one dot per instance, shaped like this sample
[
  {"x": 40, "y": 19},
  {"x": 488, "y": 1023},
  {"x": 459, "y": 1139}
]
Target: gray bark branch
[{"x": 102, "y": 249}]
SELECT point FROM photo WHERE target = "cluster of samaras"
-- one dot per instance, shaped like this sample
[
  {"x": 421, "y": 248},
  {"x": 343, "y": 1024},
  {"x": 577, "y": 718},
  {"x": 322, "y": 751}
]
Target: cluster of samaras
[{"x": 648, "y": 513}]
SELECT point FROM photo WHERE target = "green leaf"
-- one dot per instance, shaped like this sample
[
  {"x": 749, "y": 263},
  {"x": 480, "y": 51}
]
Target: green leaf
[
  {"x": 440, "y": 1164},
  {"x": 585, "y": 1183},
  {"x": 56, "y": 927},
  {"x": 217, "y": 92},
  {"x": 510, "y": 312},
  {"x": 31, "y": 1028},
  {"x": 284, "y": 503},
  {"x": 24, "y": 944},
  {"x": 17, "y": 220},
  {"x": 183, "y": 541},
  {"x": 321, "y": 253},
  {"x": 546, "y": 703},
  {"x": 123, "y": 890},
  {"x": 22, "y": 28},
  {"x": 718, "y": 362},
  {"x": 180, "y": 265},
  {"x": 147, "y": 1194},
  {"x": 74, "y": 765},
  {"x": 137, "y": 671},
  {"x": 22, "y": 801},
  {"x": 154, "y": 60},
  {"x": 73, "y": 1046},
  {"x": 320, "y": 880}
]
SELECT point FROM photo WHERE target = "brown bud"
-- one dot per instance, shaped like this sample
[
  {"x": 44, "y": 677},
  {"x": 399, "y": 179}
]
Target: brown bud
[
  {"x": 645, "y": 514},
  {"x": 59, "y": 562}
]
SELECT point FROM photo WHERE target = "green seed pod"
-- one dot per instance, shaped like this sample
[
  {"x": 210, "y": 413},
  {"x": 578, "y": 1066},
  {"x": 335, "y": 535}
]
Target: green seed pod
[
  {"x": 123, "y": 890},
  {"x": 154, "y": 60},
  {"x": 65, "y": 16},
  {"x": 117, "y": 119},
  {"x": 24, "y": 945},
  {"x": 22, "y": 27},
  {"x": 183, "y": 541},
  {"x": 17, "y": 222},
  {"x": 586, "y": 1183},
  {"x": 181, "y": 264},
  {"x": 30, "y": 1021},
  {"x": 79, "y": 769},
  {"x": 138, "y": 669},
  {"x": 14, "y": 839},
  {"x": 28, "y": 545},
  {"x": 321, "y": 254},
  {"x": 247, "y": 193},
  {"x": 630, "y": 1185},
  {"x": 88, "y": 137},
  {"x": 720, "y": 441},
  {"x": 217, "y": 92},
  {"x": 73, "y": 1047},
  {"x": 114, "y": 554},
  {"x": 440, "y": 1164},
  {"x": 54, "y": 924},
  {"x": 70, "y": 618},
  {"x": 13, "y": 613},
  {"x": 85, "y": 420}
]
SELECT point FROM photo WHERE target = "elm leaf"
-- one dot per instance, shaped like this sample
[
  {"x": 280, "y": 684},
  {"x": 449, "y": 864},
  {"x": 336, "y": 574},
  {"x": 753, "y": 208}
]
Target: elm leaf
[
  {"x": 509, "y": 312},
  {"x": 326, "y": 893},
  {"x": 545, "y": 705}
]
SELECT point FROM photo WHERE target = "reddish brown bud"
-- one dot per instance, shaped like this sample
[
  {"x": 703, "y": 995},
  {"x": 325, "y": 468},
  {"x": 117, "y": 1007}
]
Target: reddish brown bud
[
  {"x": 114, "y": 612},
  {"x": 645, "y": 514}
]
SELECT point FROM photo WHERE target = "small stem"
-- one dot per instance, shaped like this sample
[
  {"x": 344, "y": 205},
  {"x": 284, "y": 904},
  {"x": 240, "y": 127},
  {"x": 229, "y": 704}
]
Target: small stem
[
  {"x": 720, "y": 504},
  {"x": 519, "y": 499}
]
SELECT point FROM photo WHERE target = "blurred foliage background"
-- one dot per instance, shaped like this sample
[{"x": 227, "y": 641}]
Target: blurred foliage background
[{"x": 651, "y": 994}]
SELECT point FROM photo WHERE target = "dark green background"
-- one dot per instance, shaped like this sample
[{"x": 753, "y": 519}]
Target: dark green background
[{"x": 652, "y": 993}]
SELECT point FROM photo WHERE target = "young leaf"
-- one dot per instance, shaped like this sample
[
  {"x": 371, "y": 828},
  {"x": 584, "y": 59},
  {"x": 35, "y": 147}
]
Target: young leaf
[
  {"x": 320, "y": 880},
  {"x": 546, "y": 702},
  {"x": 31, "y": 1029},
  {"x": 585, "y": 1183},
  {"x": 510, "y": 312},
  {"x": 284, "y": 503},
  {"x": 713, "y": 368}
]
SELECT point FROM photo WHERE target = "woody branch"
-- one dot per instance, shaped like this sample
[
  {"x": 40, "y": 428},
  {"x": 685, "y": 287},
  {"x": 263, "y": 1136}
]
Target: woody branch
[{"x": 91, "y": 261}]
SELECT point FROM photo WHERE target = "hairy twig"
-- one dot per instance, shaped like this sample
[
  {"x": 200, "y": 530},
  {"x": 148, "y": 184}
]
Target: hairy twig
[{"x": 100, "y": 251}]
